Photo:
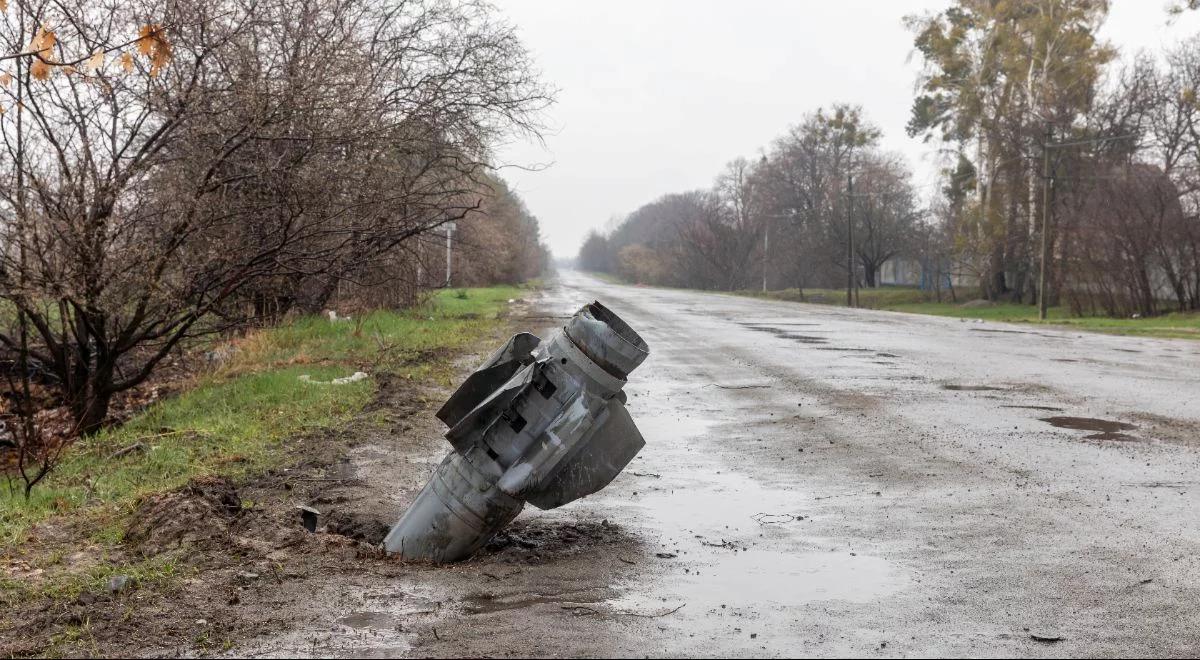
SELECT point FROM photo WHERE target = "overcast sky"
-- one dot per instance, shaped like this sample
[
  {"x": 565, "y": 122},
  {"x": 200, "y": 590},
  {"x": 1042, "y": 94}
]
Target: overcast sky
[{"x": 655, "y": 96}]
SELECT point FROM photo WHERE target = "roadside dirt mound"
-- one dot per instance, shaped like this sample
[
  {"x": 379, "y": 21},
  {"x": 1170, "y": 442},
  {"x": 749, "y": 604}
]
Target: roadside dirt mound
[
  {"x": 200, "y": 511},
  {"x": 360, "y": 527}
]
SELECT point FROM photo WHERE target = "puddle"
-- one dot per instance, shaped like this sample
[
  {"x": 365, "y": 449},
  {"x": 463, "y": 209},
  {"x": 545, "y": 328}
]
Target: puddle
[
  {"x": 1042, "y": 408},
  {"x": 887, "y": 355},
  {"x": 661, "y": 428},
  {"x": 1007, "y": 332},
  {"x": 849, "y": 350},
  {"x": 369, "y": 620},
  {"x": 807, "y": 339},
  {"x": 487, "y": 603},
  {"x": 973, "y": 388},
  {"x": 1105, "y": 429},
  {"x": 754, "y": 578},
  {"x": 788, "y": 334},
  {"x": 723, "y": 504},
  {"x": 751, "y": 324}
]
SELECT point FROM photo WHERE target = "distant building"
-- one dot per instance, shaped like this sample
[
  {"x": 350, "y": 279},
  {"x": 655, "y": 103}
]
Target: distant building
[{"x": 906, "y": 271}]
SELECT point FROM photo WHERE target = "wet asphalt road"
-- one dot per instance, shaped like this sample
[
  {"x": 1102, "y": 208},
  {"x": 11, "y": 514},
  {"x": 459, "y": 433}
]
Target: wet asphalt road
[
  {"x": 824, "y": 481},
  {"x": 841, "y": 482}
]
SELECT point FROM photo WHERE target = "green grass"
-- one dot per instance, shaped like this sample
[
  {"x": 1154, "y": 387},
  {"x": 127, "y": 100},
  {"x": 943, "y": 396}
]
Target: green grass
[
  {"x": 67, "y": 586},
  {"x": 240, "y": 419},
  {"x": 916, "y": 301},
  {"x": 1169, "y": 326},
  {"x": 881, "y": 298}
]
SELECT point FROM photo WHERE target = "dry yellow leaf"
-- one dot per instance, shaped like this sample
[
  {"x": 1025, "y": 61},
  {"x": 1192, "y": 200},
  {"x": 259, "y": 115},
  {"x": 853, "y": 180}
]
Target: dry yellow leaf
[
  {"x": 152, "y": 42},
  {"x": 3, "y": 5},
  {"x": 94, "y": 62},
  {"x": 127, "y": 62},
  {"x": 147, "y": 38},
  {"x": 39, "y": 69},
  {"x": 43, "y": 42},
  {"x": 5, "y": 79}
]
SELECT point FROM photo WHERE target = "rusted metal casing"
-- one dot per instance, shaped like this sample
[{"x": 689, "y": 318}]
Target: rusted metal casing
[{"x": 541, "y": 422}]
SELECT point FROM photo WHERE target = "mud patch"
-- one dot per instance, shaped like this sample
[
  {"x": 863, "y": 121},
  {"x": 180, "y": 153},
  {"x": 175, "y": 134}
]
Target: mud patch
[
  {"x": 526, "y": 540},
  {"x": 487, "y": 602},
  {"x": 1041, "y": 408},
  {"x": 1168, "y": 429},
  {"x": 1104, "y": 429},
  {"x": 200, "y": 511}
]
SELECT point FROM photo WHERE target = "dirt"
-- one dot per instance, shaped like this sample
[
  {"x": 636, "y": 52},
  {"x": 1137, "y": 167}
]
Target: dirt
[
  {"x": 248, "y": 570},
  {"x": 200, "y": 512}
]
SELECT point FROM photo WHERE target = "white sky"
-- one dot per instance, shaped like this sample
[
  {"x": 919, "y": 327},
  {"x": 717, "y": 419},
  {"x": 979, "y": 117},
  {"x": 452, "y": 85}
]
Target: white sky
[{"x": 655, "y": 96}]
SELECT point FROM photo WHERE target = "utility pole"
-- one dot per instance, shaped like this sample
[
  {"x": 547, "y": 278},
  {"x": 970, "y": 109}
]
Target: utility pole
[
  {"x": 850, "y": 243},
  {"x": 766, "y": 234},
  {"x": 766, "y": 243},
  {"x": 449, "y": 230},
  {"x": 1046, "y": 183}
]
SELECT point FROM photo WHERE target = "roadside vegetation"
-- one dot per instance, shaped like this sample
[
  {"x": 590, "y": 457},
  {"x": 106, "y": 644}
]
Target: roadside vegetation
[
  {"x": 969, "y": 306},
  {"x": 239, "y": 419}
]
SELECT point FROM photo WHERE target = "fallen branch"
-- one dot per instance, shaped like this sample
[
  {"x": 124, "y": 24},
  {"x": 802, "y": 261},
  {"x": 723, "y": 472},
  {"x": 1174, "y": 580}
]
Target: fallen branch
[
  {"x": 583, "y": 610},
  {"x": 125, "y": 451},
  {"x": 651, "y": 616}
]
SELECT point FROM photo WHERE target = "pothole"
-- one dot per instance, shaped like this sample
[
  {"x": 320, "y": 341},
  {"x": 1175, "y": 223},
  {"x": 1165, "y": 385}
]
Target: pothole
[{"x": 1104, "y": 429}]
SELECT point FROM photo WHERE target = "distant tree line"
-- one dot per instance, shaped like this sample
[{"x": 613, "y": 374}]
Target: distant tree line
[
  {"x": 174, "y": 169},
  {"x": 788, "y": 210},
  {"x": 1035, "y": 120}
]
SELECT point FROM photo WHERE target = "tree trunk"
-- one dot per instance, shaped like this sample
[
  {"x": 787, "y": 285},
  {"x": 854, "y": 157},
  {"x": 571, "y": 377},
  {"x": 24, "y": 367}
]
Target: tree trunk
[
  {"x": 90, "y": 411},
  {"x": 869, "y": 272}
]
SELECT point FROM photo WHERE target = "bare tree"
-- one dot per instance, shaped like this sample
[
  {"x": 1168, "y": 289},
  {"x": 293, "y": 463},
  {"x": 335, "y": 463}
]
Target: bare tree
[
  {"x": 286, "y": 145},
  {"x": 885, "y": 212}
]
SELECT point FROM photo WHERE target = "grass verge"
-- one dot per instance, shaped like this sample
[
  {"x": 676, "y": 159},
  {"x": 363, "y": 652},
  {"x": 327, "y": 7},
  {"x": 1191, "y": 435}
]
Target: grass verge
[
  {"x": 240, "y": 418},
  {"x": 916, "y": 301}
]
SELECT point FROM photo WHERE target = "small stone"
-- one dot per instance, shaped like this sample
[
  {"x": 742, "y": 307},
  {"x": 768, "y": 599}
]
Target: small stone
[
  {"x": 119, "y": 583},
  {"x": 309, "y": 517}
]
